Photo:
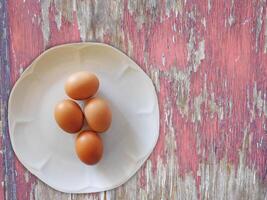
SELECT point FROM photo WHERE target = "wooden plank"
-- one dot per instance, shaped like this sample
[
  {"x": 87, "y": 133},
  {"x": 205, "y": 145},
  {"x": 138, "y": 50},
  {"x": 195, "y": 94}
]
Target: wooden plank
[
  {"x": 208, "y": 62},
  {"x": 7, "y": 175}
]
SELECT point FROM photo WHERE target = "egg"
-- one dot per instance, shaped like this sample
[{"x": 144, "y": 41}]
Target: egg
[
  {"x": 89, "y": 147},
  {"x": 97, "y": 114},
  {"x": 69, "y": 116},
  {"x": 81, "y": 85}
]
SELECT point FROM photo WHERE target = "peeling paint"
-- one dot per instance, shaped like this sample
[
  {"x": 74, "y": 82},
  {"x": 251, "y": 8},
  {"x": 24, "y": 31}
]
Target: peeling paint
[
  {"x": 45, "y": 5},
  {"x": 109, "y": 24},
  {"x": 198, "y": 101},
  {"x": 85, "y": 15},
  {"x": 58, "y": 20},
  {"x": 154, "y": 75},
  {"x": 214, "y": 108},
  {"x": 203, "y": 21},
  {"x": 222, "y": 182},
  {"x": 209, "y": 5},
  {"x": 199, "y": 55},
  {"x": 265, "y": 35},
  {"x": 195, "y": 55},
  {"x": 163, "y": 59},
  {"x": 259, "y": 102},
  {"x": 182, "y": 88},
  {"x": 42, "y": 191},
  {"x": 130, "y": 47},
  {"x": 21, "y": 70},
  {"x": 230, "y": 103},
  {"x": 174, "y": 28},
  {"x": 259, "y": 21},
  {"x": 173, "y": 39},
  {"x": 26, "y": 176},
  {"x": 93, "y": 22},
  {"x": 218, "y": 179},
  {"x": 65, "y": 9},
  {"x": 231, "y": 18},
  {"x": 139, "y": 9},
  {"x": 175, "y": 6}
]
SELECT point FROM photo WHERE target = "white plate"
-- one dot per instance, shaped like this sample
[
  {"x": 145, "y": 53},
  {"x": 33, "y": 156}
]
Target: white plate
[{"x": 48, "y": 152}]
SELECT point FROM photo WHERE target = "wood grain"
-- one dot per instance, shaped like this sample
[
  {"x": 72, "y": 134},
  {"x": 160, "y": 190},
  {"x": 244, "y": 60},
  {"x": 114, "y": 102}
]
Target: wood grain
[{"x": 208, "y": 62}]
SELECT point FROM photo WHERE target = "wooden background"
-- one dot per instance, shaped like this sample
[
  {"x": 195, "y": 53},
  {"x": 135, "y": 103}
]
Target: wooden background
[{"x": 208, "y": 61}]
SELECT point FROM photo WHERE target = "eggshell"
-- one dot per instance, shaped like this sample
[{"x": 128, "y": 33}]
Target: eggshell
[
  {"x": 81, "y": 85},
  {"x": 69, "y": 116},
  {"x": 89, "y": 147},
  {"x": 98, "y": 114}
]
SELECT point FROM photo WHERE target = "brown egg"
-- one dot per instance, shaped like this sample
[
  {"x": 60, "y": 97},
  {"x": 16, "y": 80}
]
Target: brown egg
[
  {"x": 69, "y": 116},
  {"x": 81, "y": 85},
  {"x": 97, "y": 114},
  {"x": 89, "y": 147}
]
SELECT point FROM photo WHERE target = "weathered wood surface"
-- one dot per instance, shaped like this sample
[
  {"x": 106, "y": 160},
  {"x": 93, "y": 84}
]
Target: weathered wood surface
[{"x": 208, "y": 61}]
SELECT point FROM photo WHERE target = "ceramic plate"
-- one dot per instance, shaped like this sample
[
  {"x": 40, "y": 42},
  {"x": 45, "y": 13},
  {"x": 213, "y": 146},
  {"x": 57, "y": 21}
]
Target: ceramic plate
[{"x": 48, "y": 152}]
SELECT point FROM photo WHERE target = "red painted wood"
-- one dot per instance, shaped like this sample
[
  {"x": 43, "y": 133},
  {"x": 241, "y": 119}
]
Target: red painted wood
[
  {"x": 26, "y": 42},
  {"x": 68, "y": 31},
  {"x": 208, "y": 62},
  {"x": 3, "y": 96}
]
